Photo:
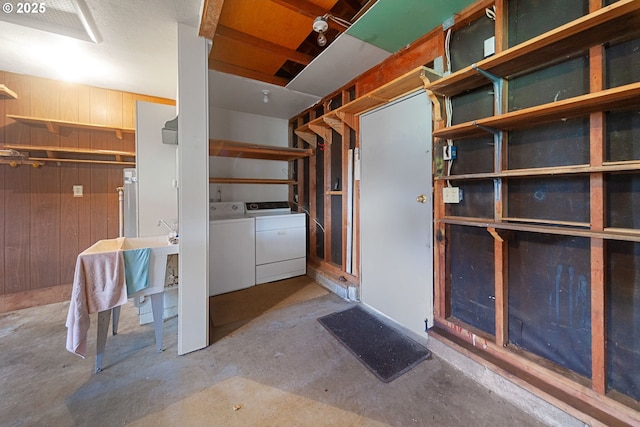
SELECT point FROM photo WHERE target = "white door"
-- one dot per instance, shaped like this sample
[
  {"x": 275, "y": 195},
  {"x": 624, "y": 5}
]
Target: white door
[{"x": 395, "y": 229}]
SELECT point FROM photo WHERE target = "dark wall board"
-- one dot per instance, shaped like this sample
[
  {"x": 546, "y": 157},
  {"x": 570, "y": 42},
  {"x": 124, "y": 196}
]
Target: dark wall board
[
  {"x": 555, "y": 144},
  {"x": 555, "y": 83},
  {"x": 336, "y": 161},
  {"x": 467, "y": 43},
  {"x": 550, "y": 298},
  {"x": 530, "y": 18},
  {"x": 623, "y": 200},
  {"x": 471, "y": 276},
  {"x": 472, "y": 105},
  {"x": 336, "y": 230},
  {"x": 477, "y": 201},
  {"x": 622, "y": 63},
  {"x": 319, "y": 220},
  {"x": 473, "y": 156},
  {"x": 623, "y": 317},
  {"x": 623, "y": 135},
  {"x": 553, "y": 198}
]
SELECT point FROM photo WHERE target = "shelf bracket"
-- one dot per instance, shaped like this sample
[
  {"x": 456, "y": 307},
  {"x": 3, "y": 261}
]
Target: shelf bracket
[
  {"x": 497, "y": 144},
  {"x": 498, "y": 83}
]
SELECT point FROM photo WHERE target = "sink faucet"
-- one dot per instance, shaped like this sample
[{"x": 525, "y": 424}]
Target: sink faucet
[{"x": 173, "y": 232}]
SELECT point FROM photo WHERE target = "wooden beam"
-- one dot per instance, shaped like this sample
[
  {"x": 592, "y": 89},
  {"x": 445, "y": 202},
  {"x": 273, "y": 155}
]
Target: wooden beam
[
  {"x": 245, "y": 72},
  {"x": 248, "y": 39},
  {"x": 210, "y": 17},
  {"x": 302, "y": 7}
]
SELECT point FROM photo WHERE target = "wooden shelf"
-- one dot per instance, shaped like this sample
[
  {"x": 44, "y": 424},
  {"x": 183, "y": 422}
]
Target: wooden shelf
[
  {"x": 403, "y": 85},
  {"x": 609, "y": 23},
  {"x": 243, "y": 150},
  {"x": 397, "y": 88},
  {"x": 629, "y": 235},
  {"x": 251, "y": 181},
  {"x": 5, "y": 92},
  {"x": 53, "y": 154},
  {"x": 54, "y": 125},
  {"x": 628, "y": 166},
  {"x": 618, "y": 98}
]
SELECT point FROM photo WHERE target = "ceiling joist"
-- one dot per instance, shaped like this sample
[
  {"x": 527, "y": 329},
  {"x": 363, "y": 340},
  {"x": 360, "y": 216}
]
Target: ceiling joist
[
  {"x": 276, "y": 49},
  {"x": 305, "y": 8},
  {"x": 245, "y": 72},
  {"x": 210, "y": 17}
]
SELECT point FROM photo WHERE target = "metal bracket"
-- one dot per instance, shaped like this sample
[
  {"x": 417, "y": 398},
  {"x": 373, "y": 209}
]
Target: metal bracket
[
  {"x": 498, "y": 83},
  {"x": 497, "y": 141}
]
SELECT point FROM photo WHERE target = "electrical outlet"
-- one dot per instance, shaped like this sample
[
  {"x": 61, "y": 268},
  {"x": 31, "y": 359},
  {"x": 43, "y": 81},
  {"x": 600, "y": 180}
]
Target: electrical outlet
[
  {"x": 489, "y": 46},
  {"x": 449, "y": 152},
  {"x": 77, "y": 191},
  {"x": 451, "y": 194}
]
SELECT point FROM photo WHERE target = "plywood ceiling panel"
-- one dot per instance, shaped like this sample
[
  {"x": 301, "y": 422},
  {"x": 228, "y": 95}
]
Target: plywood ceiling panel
[
  {"x": 247, "y": 56},
  {"x": 269, "y": 37}
]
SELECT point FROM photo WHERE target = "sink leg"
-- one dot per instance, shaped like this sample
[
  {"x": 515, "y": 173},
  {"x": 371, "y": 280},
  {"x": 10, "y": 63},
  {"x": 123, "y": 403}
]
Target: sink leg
[
  {"x": 157, "y": 307},
  {"x": 103, "y": 327},
  {"x": 116, "y": 319}
]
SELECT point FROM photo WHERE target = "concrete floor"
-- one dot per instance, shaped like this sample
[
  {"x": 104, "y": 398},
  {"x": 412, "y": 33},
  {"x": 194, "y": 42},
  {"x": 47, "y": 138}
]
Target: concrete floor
[{"x": 280, "y": 369}]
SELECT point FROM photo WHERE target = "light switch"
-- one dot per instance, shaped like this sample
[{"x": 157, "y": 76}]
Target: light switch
[{"x": 77, "y": 191}]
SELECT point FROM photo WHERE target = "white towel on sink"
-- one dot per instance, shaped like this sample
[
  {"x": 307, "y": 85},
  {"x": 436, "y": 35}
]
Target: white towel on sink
[{"x": 98, "y": 285}]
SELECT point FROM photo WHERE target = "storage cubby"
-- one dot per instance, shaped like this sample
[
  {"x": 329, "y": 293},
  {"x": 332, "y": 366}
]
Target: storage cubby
[
  {"x": 472, "y": 277},
  {"x": 550, "y": 298},
  {"x": 623, "y": 317},
  {"x": 562, "y": 143},
  {"x": 477, "y": 200},
  {"x": 549, "y": 200}
]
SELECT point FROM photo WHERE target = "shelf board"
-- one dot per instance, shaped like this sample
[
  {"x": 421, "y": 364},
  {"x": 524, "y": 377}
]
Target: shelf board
[
  {"x": 243, "y": 150},
  {"x": 629, "y": 235},
  {"x": 618, "y": 98},
  {"x": 54, "y": 125},
  {"x": 615, "y": 21},
  {"x": 5, "y": 92},
  {"x": 60, "y": 154},
  {"x": 627, "y": 166},
  {"x": 405, "y": 84},
  {"x": 251, "y": 181}
]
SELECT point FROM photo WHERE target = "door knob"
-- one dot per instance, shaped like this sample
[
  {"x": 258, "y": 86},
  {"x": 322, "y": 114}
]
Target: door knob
[{"x": 421, "y": 199}]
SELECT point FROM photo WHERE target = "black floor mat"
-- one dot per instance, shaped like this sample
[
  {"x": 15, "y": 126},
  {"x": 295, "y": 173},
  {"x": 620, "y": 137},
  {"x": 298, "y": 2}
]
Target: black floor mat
[{"x": 385, "y": 351}]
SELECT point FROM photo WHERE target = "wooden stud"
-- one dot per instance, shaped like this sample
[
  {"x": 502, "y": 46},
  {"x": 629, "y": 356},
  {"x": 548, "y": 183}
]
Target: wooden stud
[{"x": 501, "y": 273}]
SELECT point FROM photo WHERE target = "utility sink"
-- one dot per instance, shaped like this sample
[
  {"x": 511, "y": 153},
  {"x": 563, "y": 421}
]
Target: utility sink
[{"x": 160, "y": 249}]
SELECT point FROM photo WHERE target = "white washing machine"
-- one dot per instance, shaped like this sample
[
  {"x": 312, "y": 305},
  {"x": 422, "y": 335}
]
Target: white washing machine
[
  {"x": 232, "y": 253},
  {"x": 281, "y": 243}
]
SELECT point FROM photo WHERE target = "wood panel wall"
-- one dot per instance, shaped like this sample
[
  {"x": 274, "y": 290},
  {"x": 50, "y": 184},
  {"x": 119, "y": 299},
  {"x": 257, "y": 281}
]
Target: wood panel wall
[{"x": 43, "y": 227}]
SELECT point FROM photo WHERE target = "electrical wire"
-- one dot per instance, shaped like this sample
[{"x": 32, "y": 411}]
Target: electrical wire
[
  {"x": 447, "y": 100},
  {"x": 309, "y": 215}
]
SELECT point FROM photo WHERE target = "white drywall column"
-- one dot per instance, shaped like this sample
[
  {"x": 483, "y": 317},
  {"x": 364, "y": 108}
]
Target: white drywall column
[{"x": 193, "y": 205}]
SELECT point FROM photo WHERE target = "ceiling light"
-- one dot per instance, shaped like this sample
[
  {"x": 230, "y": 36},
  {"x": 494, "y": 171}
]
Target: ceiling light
[
  {"x": 322, "y": 39},
  {"x": 266, "y": 93},
  {"x": 321, "y": 25}
]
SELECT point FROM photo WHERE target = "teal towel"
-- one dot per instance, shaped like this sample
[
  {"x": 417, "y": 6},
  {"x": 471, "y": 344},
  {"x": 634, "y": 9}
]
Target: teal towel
[{"x": 136, "y": 269}]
